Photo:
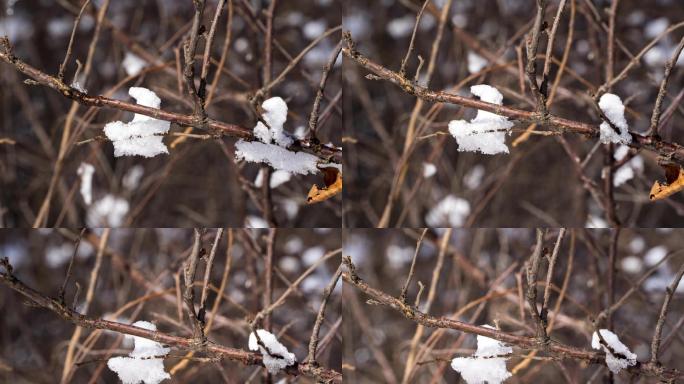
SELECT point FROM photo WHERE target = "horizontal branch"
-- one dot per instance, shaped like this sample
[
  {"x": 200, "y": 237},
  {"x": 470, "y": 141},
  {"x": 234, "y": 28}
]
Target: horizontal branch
[
  {"x": 238, "y": 355},
  {"x": 214, "y": 126},
  {"x": 671, "y": 151},
  {"x": 553, "y": 348}
]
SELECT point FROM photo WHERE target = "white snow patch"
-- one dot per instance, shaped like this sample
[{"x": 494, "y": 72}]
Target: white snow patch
[
  {"x": 487, "y": 364},
  {"x": 401, "y": 27},
  {"x": 255, "y": 222},
  {"x": 314, "y": 29},
  {"x": 278, "y": 178},
  {"x": 277, "y": 157},
  {"x": 637, "y": 244},
  {"x": 131, "y": 180},
  {"x": 109, "y": 211},
  {"x": 475, "y": 62},
  {"x": 275, "y": 115},
  {"x": 627, "y": 171},
  {"x": 398, "y": 256},
  {"x": 143, "y": 364},
  {"x": 594, "y": 221},
  {"x": 143, "y": 135},
  {"x": 623, "y": 358},
  {"x": 655, "y": 255},
  {"x": 450, "y": 211},
  {"x": 276, "y": 356},
  {"x": 55, "y": 256},
  {"x": 473, "y": 178},
  {"x": 133, "y": 64},
  {"x": 656, "y": 27},
  {"x": 86, "y": 171},
  {"x": 312, "y": 255},
  {"x": 487, "y": 131},
  {"x": 429, "y": 170},
  {"x": 612, "y": 107},
  {"x": 632, "y": 264}
]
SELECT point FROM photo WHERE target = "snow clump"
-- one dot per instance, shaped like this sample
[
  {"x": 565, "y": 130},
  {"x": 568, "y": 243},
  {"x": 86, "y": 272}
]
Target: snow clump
[
  {"x": 612, "y": 107},
  {"x": 277, "y": 356},
  {"x": 485, "y": 133},
  {"x": 144, "y": 364},
  {"x": 487, "y": 364},
  {"x": 623, "y": 358}
]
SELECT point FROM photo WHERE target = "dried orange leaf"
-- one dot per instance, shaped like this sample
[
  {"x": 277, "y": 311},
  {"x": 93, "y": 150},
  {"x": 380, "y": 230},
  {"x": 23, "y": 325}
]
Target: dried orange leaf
[
  {"x": 332, "y": 178},
  {"x": 674, "y": 183}
]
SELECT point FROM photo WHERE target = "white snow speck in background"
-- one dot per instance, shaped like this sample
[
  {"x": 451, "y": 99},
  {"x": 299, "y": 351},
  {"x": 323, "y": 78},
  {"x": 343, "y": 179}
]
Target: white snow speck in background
[
  {"x": 450, "y": 211},
  {"x": 475, "y": 62},
  {"x": 140, "y": 366},
  {"x": 142, "y": 136},
  {"x": 487, "y": 364},
  {"x": 133, "y": 64},
  {"x": 615, "y": 363},
  {"x": 612, "y": 107},
  {"x": 627, "y": 171},
  {"x": 429, "y": 170},
  {"x": 485, "y": 133},
  {"x": 277, "y": 356},
  {"x": 109, "y": 211},
  {"x": 86, "y": 171}
]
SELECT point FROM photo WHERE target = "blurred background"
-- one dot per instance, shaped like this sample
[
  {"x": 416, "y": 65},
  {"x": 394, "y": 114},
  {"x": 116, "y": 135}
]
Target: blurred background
[
  {"x": 478, "y": 284},
  {"x": 137, "y": 282},
  {"x": 199, "y": 182},
  {"x": 537, "y": 183}
]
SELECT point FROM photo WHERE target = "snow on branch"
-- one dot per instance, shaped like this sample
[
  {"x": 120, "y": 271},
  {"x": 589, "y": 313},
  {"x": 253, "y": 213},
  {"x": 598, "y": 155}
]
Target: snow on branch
[
  {"x": 612, "y": 107},
  {"x": 143, "y": 135},
  {"x": 277, "y": 356},
  {"x": 618, "y": 356},
  {"x": 485, "y": 133},
  {"x": 487, "y": 364},
  {"x": 276, "y": 155},
  {"x": 145, "y": 363}
]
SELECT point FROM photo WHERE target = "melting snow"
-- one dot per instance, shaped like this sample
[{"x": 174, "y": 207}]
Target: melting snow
[
  {"x": 623, "y": 358},
  {"x": 277, "y": 357},
  {"x": 487, "y": 131},
  {"x": 612, "y": 107},
  {"x": 140, "y": 366},
  {"x": 143, "y": 135}
]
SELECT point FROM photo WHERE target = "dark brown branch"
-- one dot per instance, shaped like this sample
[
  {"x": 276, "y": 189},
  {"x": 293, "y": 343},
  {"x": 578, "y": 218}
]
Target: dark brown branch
[
  {"x": 233, "y": 354},
  {"x": 313, "y": 342},
  {"x": 189, "y": 269},
  {"x": 555, "y": 349},
  {"x": 657, "y": 334},
  {"x": 655, "y": 116},
  {"x": 216, "y": 127},
  {"x": 670, "y": 150}
]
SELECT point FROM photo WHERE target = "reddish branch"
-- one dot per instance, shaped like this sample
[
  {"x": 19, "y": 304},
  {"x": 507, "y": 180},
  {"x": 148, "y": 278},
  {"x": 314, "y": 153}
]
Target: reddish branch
[
  {"x": 216, "y": 350},
  {"x": 216, "y": 127},
  {"x": 553, "y": 348},
  {"x": 672, "y": 151}
]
